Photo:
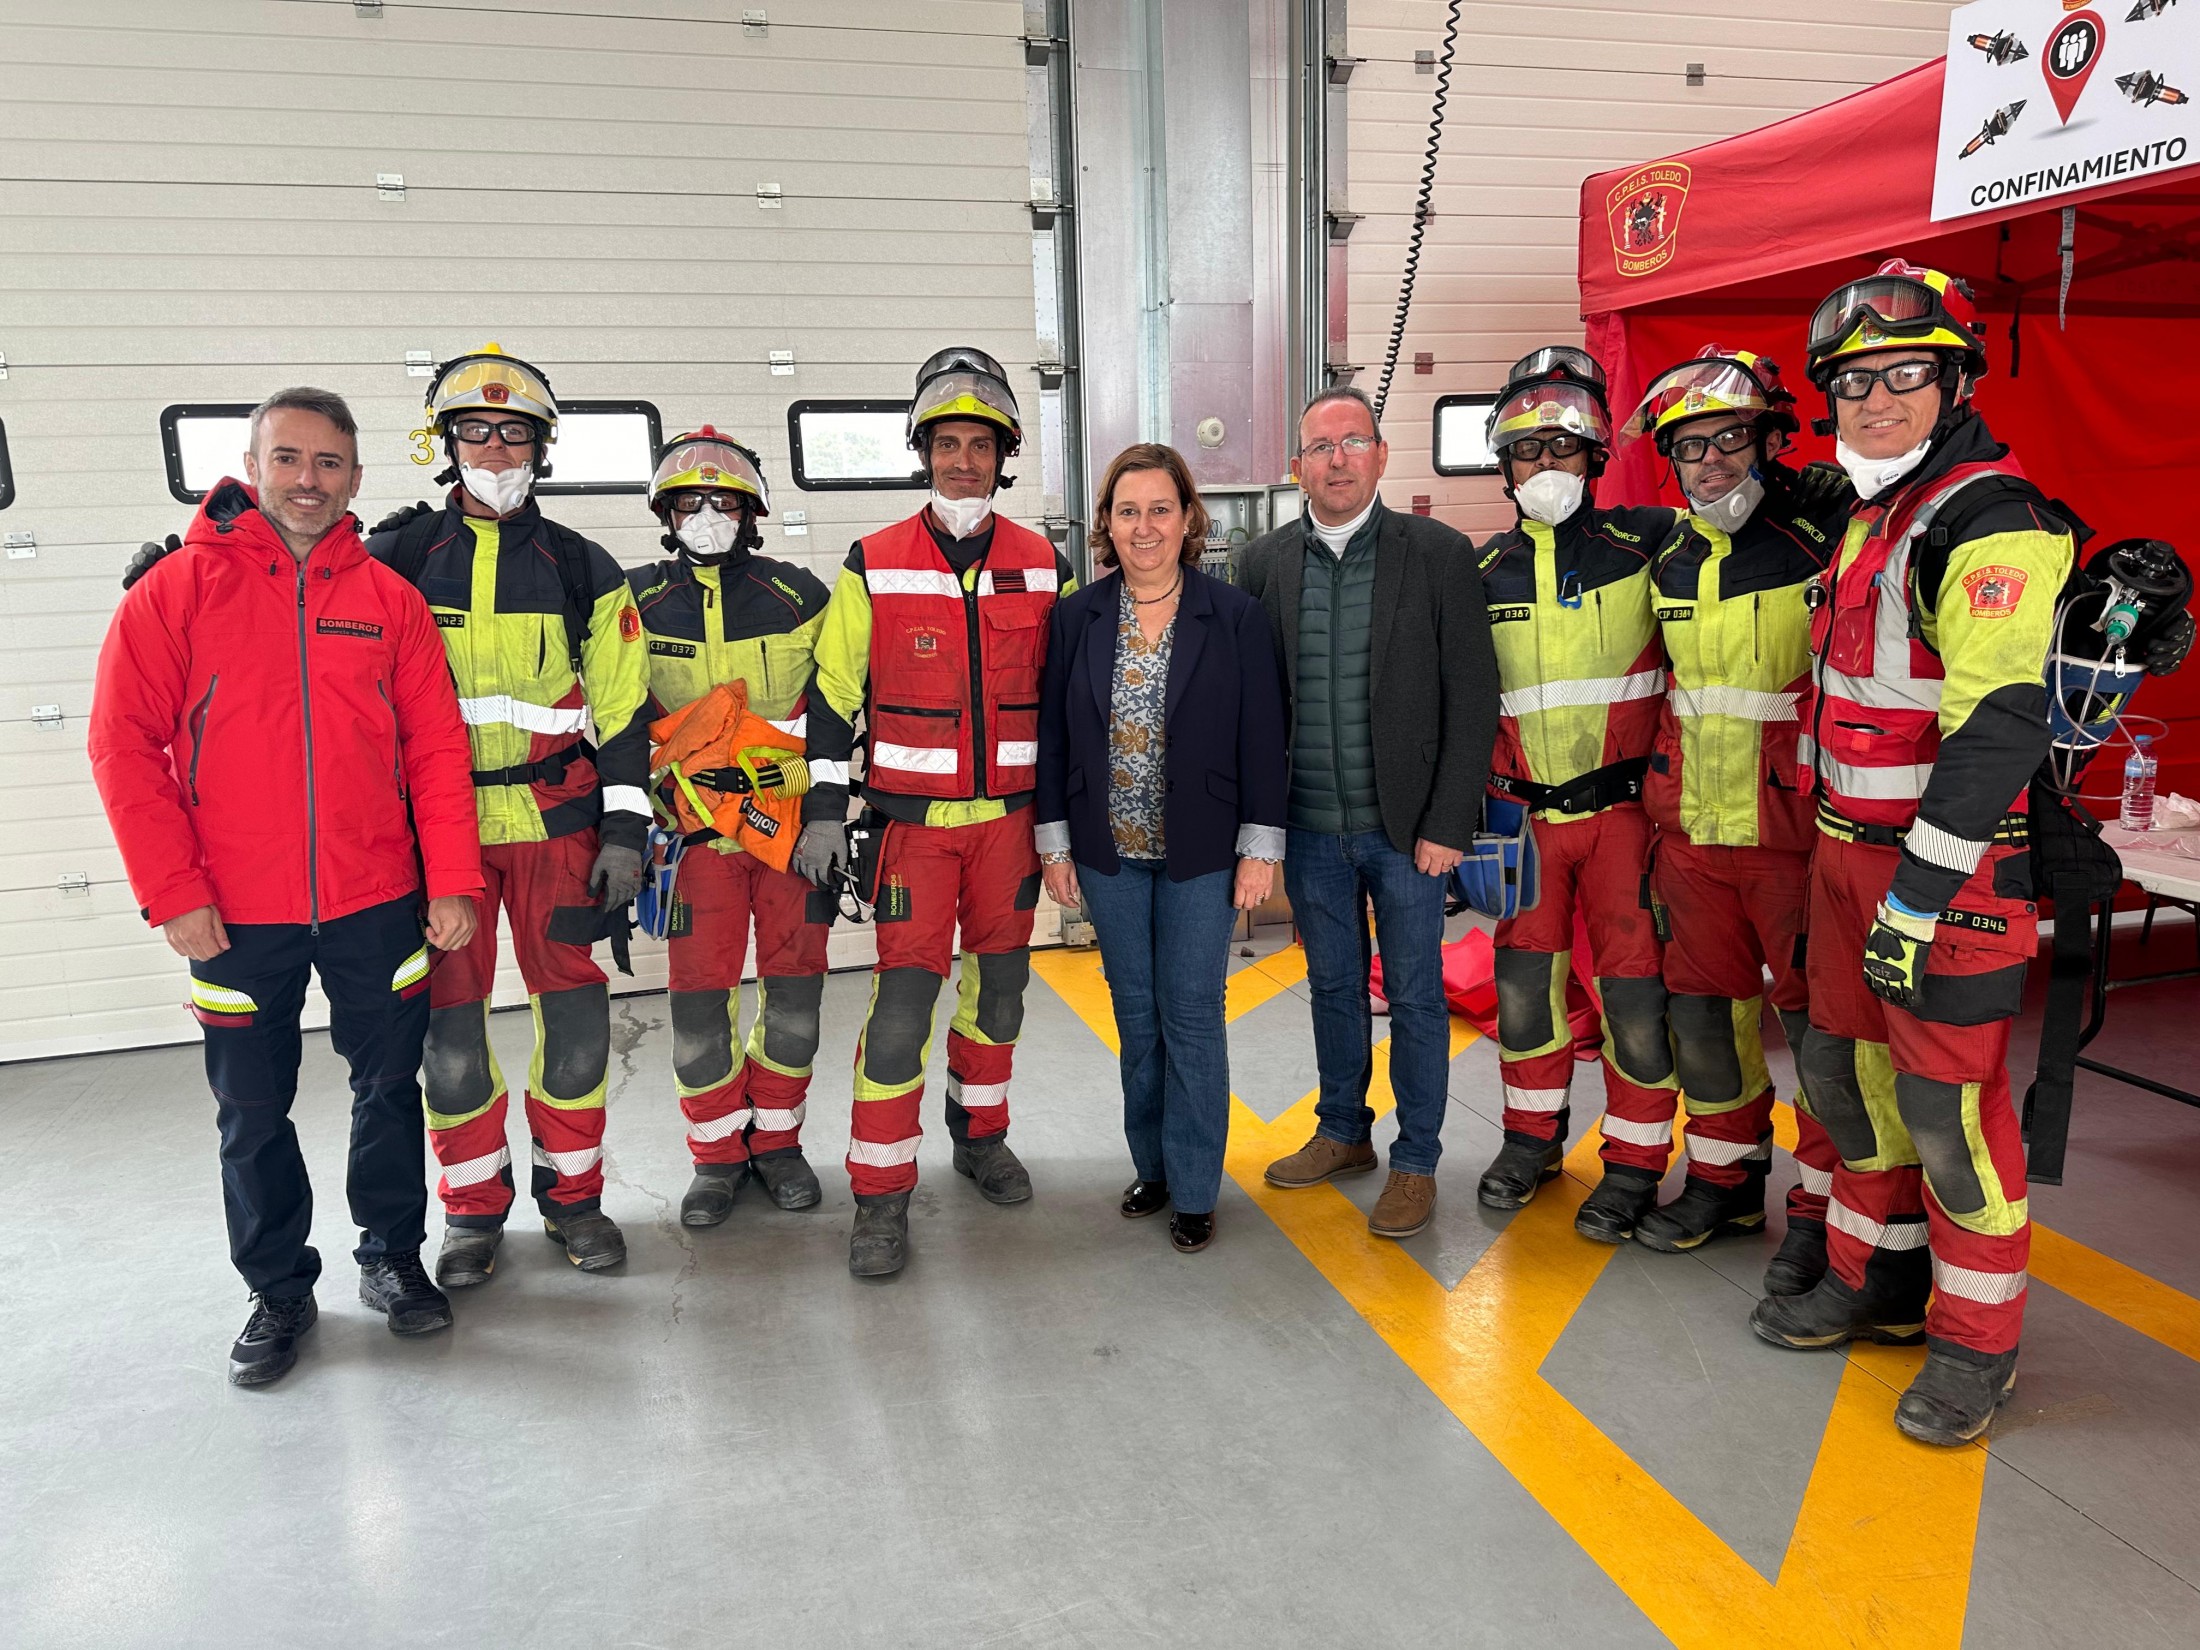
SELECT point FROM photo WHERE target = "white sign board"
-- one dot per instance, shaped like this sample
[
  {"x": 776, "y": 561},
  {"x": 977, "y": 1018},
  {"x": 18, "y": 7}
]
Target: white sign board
[{"x": 2045, "y": 97}]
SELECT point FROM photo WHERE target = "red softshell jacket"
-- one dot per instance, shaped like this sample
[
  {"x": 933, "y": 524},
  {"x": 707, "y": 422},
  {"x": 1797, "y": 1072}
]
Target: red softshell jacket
[{"x": 260, "y": 725}]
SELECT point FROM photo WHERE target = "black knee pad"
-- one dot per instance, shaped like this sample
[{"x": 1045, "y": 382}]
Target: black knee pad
[
  {"x": 454, "y": 1066},
  {"x": 1827, "y": 1065},
  {"x": 1703, "y": 1048},
  {"x": 1002, "y": 977},
  {"x": 1524, "y": 1000},
  {"x": 702, "y": 1037},
  {"x": 576, "y": 1040},
  {"x": 791, "y": 1018},
  {"x": 900, "y": 1025},
  {"x": 1795, "y": 1027},
  {"x": 1634, "y": 1013},
  {"x": 1933, "y": 1113}
]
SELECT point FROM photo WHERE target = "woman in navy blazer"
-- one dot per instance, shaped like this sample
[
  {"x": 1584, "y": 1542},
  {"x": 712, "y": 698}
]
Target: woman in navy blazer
[{"x": 1161, "y": 796}]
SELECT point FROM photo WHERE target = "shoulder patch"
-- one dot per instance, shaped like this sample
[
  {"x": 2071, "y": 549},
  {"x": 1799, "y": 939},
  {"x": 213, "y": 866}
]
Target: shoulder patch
[
  {"x": 630, "y": 624},
  {"x": 1994, "y": 590}
]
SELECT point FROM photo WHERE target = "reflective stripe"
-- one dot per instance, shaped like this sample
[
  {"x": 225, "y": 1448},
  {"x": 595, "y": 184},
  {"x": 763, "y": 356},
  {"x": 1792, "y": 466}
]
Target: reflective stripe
[
  {"x": 570, "y": 1163},
  {"x": 1944, "y": 848},
  {"x": 220, "y": 999},
  {"x": 798, "y": 728},
  {"x": 1895, "y": 784},
  {"x": 771, "y": 1117},
  {"x": 1035, "y": 578},
  {"x": 717, "y": 1128},
  {"x": 1533, "y": 1099},
  {"x": 626, "y": 799},
  {"x": 1883, "y": 693},
  {"x": 1595, "y": 690},
  {"x": 475, "y": 1170},
  {"x": 1724, "y": 1151},
  {"x": 518, "y": 713},
  {"x": 1015, "y": 754},
  {"x": 883, "y": 1154},
  {"x": 1816, "y": 1181},
  {"x": 910, "y": 758},
  {"x": 910, "y": 581},
  {"x": 980, "y": 1094},
  {"x": 828, "y": 773},
  {"x": 1901, "y": 1234},
  {"x": 1638, "y": 1134},
  {"x": 1745, "y": 704},
  {"x": 1987, "y": 1288},
  {"x": 411, "y": 971}
]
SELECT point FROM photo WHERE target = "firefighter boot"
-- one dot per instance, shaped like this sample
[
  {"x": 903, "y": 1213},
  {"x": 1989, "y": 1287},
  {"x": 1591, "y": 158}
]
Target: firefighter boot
[
  {"x": 1000, "y": 1177},
  {"x": 1956, "y": 1393},
  {"x": 1832, "y": 1314},
  {"x": 879, "y": 1245},
  {"x": 1702, "y": 1212},
  {"x": 710, "y": 1194},
  {"x": 397, "y": 1286},
  {"x": 1801, "y": 1261},
  {"x": 468, "y": 1256},
  {"x": 1621, "y": 1198},
  {"x": 788, "y": 1177},
  {"x": 592, "y": 1240},
  {"x": 1519, "y": 1168}
]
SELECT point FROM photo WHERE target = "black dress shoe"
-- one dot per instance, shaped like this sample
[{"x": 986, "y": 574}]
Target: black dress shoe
[
  {"x": 1191, "y": 1233},
  {"x": 1145, "y": 1197}
]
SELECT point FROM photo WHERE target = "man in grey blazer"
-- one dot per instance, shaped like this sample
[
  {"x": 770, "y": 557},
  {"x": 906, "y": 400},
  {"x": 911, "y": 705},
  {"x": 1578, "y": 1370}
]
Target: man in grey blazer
[{"x": 1392, "y": 678}]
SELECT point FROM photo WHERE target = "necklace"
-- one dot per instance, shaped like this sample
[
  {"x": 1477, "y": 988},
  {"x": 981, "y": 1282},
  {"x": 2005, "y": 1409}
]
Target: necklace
[{"x": 1149, "y": 601}]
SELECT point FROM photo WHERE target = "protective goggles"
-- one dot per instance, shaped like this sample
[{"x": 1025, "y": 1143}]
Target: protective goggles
[
  {"x": 1903, "y": 378},
  {"x": 1529, "y": 448},
  {"x": 1712, "y": 384},
  {"x": 1690, "y": 449},
  {"x": 1558, "y": 361},
  {"x": 513, "y": 432},
  {"x": 1895, "y": 306},
  {"x": 687, "y": 502}
]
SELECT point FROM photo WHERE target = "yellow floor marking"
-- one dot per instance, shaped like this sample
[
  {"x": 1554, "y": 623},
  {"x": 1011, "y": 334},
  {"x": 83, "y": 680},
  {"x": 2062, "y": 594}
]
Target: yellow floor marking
[
  {"x": 1256, "y": 983},
  {"x": 1881, "y": 1553}
]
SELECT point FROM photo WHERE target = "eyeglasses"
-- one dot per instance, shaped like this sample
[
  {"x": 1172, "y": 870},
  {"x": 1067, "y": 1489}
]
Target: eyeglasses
[
  {"x": 516, "y": 432},
  {"x": 1529, "y": 448},
  {"x": 1903, "y": 378},
  {"x": 687, "y": 503},
  {"x": 1353, "y": 446},
  {"x": 1690, "y": 449}
]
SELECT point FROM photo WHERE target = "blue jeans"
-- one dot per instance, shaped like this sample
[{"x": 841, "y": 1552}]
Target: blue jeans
[
  {"x": 1330, "y": 880},
  {"x": 1166, "y": 948}
]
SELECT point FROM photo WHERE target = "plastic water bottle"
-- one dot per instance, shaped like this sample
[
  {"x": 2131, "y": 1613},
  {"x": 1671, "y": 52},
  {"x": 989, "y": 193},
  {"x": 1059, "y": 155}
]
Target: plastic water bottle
[{"x": 2137, "y": 813}]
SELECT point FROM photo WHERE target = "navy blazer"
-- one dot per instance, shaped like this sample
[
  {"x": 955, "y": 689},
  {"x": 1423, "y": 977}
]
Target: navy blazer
[{"x": 1223, "y": 765}]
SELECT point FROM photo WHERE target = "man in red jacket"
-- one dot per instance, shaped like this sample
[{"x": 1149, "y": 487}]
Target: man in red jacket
[{"x": 278, "y": 746}]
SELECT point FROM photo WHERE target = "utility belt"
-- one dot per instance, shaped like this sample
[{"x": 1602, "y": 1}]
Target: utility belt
[
  {"x": 2015, "y": 830},
  {"x": 546, "y": 770},
  {"x": 1599, "y": 788}
]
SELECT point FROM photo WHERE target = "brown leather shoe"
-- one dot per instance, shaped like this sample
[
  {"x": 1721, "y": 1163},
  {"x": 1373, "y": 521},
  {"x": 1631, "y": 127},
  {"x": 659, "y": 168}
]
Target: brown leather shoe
[
  {"x": 1407, "y": 1204},
  {"x": 1318, "y": 1160}
]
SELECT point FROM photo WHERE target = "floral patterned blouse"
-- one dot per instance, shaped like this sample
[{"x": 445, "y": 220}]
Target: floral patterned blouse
[{"x": 1137, "y": 736}]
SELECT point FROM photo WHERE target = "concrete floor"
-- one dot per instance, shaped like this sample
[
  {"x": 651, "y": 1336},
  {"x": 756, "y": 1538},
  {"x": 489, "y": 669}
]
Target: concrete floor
[{"x": 1051, "y": 1431}]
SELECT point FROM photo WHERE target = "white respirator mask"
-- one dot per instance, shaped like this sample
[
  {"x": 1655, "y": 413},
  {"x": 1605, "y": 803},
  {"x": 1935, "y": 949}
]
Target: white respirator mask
[
  {"x": 1550, "y": 496},
  {"x": 961, "y": 516},
  {"x": 1732, "y": 509},
  {"x": 501, "y": 490},
  {"x": 709, "y": 534},
  {"x": 1873, "y": 476}
]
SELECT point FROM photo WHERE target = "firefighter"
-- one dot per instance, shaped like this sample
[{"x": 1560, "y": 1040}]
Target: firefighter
[
  {"x": 1730, "y": 874},
  {"x": 937, "y": 631},
  {"x": 1568, "y": 590},
  {"x": 719, "y": 612},
  {"x": 542, "y": 636},
  {"x": 1925, "y": 721}
]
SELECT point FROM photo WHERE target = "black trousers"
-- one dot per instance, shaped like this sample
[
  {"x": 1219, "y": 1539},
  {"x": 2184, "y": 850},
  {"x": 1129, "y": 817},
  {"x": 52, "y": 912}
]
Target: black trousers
[{"x": 374, "y": 970}]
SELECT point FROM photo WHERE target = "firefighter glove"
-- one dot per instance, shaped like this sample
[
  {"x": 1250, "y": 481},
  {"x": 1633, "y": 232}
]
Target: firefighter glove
[
  {"x": 2163, "y": 655},
  {"x": 616, "y": 877},
  {"x": 821, "y": 854},
  {"x": 149, "y": 553},
  {"x": 1895, "y": 952}
]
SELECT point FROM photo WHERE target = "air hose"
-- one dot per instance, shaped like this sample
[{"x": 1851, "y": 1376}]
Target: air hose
[{"x": 1420, "y": 206}]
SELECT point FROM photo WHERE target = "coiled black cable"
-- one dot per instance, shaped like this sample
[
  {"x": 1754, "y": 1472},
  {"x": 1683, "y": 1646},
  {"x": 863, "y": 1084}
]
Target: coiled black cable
[{"x": 1420, "y": 207}]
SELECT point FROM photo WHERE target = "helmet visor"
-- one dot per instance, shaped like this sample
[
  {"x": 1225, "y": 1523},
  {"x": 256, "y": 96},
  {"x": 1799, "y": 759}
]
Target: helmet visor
[
  {"x": 708, "y": 466},
  {"x": 1558, "y": 361},
  {"x": 492, "y": 384},
  {"x": 1562, "y": 408},
  {"x": 1713, "y": 384},
  {"x": 962, "y": 394}
]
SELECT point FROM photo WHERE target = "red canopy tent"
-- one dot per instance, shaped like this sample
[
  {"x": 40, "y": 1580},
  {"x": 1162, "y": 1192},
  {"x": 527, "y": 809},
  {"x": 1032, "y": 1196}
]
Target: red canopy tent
[{"x": 1734, "y": 244}]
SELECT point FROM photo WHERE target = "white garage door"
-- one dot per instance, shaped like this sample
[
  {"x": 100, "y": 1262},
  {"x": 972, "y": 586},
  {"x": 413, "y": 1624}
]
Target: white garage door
[{"x": 190, "y": 214}]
